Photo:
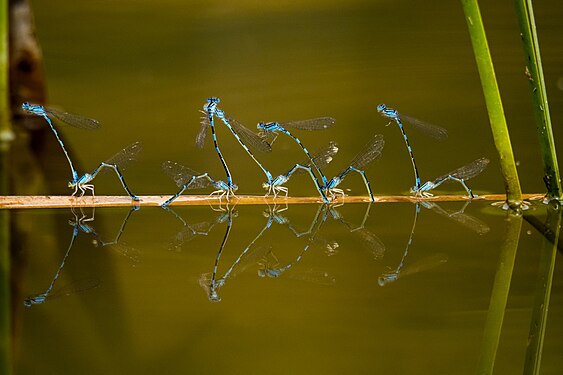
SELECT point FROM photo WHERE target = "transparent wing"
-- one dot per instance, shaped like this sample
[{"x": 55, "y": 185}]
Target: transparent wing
[
  {"x": 248, "y": 137},
  {"x": 74, "y": 120},
  {"x": 128, "y": 154},
  {"x": 322, "y": 157},
  {"x": 319, "y": 123},
  {"x": 369, "y": 153},
  {"x": 425, "y": 264},
  {"x": 74, "y": 287},
  {"x": 182, "y": 175},
  {"x": 433, "y": 131},
  {"x": 372, "y": 243},
  {"x": 467, "y": 171},
  {"x": 202, "y": 134},
  {"x": 470, "y": 222},
  {"x": 313, "y": 276},
  {"x": 123, "y": 157}
]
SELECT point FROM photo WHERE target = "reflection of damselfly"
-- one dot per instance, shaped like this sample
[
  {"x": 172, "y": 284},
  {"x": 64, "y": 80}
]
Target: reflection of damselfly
[
  {"x": 78, "y": 286},
  {"x": 271, "y": 267},
  {"x": 82, "y": 223},
  {"x": 426, "y": 264},
  {"x": 252, "y": 254},
  {"x": 190, "y": 231},
  {"x": 369, "y": 240},
  {"x": 422, "y": 265},
  {"x": 460, "y": 217},
  {"x": 212, "y": 288}
]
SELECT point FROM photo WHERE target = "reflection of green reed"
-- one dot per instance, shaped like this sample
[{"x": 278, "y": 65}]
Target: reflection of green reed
[
  {"x": 5, "y": 347},
  {"x": 493, "y": 101},
  {"x": 543, "y": 291},
  {"x": 499, "y": 296},
  {"x": 534, "y": 71}
]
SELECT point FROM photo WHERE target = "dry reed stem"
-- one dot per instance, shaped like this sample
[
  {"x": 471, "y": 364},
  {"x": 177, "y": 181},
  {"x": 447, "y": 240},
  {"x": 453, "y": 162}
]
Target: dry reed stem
[{"x": 22, "y": 202}]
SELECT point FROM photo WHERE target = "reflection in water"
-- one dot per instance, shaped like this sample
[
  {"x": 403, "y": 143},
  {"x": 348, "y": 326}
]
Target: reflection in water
[
  {"x": 434, "y": 260},
  {"x": 213, "y": 285},
  {"x": 263, "y": 255},
  {"x": 460, "y": 217},
  {"x": 189, "y": 231},
  {"x": 369, "y": 241},
  {"x": 270, "y": 266},
  {"x": 393, "y": 275},
  {"x": 416, "y": 267},
  {"x": 81, "y": 223}
]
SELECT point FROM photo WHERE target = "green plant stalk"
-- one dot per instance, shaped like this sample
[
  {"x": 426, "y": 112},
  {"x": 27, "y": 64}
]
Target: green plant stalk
[
  {"x": 6, "y": 133},
  {"x": 543, "y": 293},
  {"x": 6, "y": 136},
  {"x": 499, "y": 296},
  {"x": 493, "y": 101},
  {"x": 534, "y": 71}
]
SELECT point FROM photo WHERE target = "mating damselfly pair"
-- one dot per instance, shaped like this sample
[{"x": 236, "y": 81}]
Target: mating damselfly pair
[{"x": 188, "y": 179}]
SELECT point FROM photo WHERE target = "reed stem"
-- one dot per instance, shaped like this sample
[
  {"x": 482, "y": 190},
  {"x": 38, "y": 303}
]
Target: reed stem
[
  {"x": 54, "y": 201},
  {"x": 6, "y": 136},
  {"x": 534, "y": 71},
  {"x": 493, "y": 101}
]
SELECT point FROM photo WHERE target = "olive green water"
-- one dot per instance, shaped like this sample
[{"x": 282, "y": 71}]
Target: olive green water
[{"x": 144, "y": 69}]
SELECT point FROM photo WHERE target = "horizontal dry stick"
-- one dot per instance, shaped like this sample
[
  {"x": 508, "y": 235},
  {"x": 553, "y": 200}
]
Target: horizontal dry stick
[{"x": 57, "y": 201}]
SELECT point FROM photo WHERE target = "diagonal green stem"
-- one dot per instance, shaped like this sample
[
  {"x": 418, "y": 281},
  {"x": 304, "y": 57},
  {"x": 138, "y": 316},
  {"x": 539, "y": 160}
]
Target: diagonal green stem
[
  {"x": 499, "y": 296},
  {"x": 493, "y": 101},
  {"x": 534, "y": 71}
]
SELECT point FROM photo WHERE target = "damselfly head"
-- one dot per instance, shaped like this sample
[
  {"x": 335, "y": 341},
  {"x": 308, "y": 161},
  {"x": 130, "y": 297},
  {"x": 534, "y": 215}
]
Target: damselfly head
[
  {"x": 211, "y": 104},
  {"x": 382, "y": 107},
  {"x": 26, "y": 107}
]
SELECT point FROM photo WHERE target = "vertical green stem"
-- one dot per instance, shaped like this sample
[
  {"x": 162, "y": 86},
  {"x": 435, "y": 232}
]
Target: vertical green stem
[
  {"x": 534, "y": 71},
  {"x": 493, "y": 101},
  {"x": 6, "y": 136},
  {"x": 499, "y": 296},
  {"x": 543, "y": 292}
]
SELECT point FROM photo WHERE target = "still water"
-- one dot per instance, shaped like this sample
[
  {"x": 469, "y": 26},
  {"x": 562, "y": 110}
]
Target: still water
[
  {"x": 142, "y": 298},
  {"x": 145, "y": 68}
]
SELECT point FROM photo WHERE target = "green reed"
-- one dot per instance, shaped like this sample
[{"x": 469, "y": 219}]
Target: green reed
[
  {"x": 493, "y": 101},
  {"x": 6, "y": 136},
  {"x": 534, "y": 71}
]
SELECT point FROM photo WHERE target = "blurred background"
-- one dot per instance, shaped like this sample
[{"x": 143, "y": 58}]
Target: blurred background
[{"x": 145, "y": 69}]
